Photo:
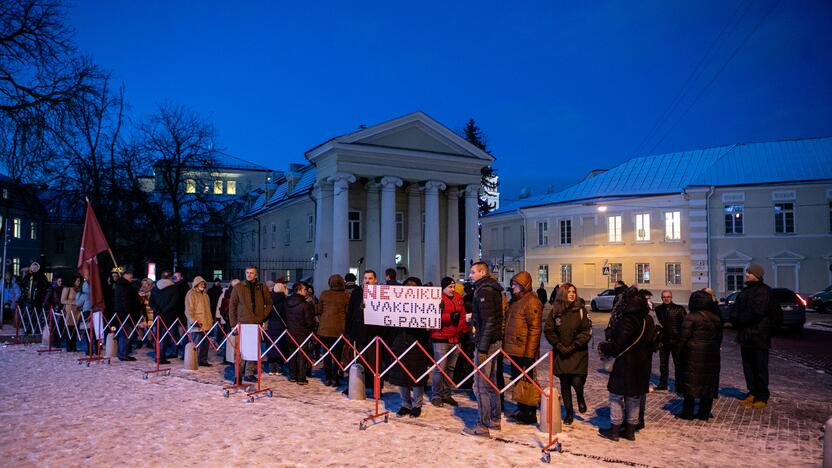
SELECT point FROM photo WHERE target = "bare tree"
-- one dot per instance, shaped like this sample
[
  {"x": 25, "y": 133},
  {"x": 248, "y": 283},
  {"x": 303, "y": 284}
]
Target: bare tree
[
  {"x": 39, "y": 64},
  {"x": 180, "y": 144},
  {"x": 24, "y": 146}
]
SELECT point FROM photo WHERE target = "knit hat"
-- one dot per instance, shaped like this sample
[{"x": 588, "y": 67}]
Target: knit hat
[
  {"x": 447, "y": 281},
  {"x": 757, "y": 270}
]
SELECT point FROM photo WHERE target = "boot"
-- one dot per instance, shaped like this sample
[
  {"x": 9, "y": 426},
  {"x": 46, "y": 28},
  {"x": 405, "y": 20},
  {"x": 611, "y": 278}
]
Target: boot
[
  {"x": 748, "y": 401},
  {"x": 687, "y": 409},
  {"x": 581, "y": 403},
  {"x": 611, "y": 433},
  {"x": 569, "y": 418},
  {"x": 629, "y": 432},
  {"x": 705, "y": 405}
]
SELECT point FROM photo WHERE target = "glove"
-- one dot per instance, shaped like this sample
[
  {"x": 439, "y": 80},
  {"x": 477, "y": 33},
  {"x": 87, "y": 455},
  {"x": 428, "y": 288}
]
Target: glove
[{"x": 455, "y": 317}]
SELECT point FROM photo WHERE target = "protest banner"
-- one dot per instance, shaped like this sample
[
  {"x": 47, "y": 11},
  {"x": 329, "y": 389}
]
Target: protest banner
[{"x": 403, "y": 306}]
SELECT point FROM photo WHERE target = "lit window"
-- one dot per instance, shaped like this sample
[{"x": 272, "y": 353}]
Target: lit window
[
  {"x": 643, "y": 273},
  {"x": 231, "y": 187},
  {"x": 733, "y": 219},
  {"x": 673, "y": 225},
  {"x": 643, "y": 227},
  {"x": 33, "y": 231},
  {"x": 218, "y": 187},
  {"x": 542, "y": 233},
  {"x": 218, "y": 274},
  {"x": 16, "y": 228},
  {"x": 673, "y": 273},
  {"x": 543, "y": 273},
  {"x": 310, "y": 227},
  {"x": 190, "y": 186},
  {"x": 354, "y": 218},
  {"x": 16, "y": 266},
  {"x": 614, "y": 228},
  {"x": 784, "y": 218},
  {"x": 399, "y": 226},
  {"x": 566, "y": 231},
  {"x": 565, "y": 273}
]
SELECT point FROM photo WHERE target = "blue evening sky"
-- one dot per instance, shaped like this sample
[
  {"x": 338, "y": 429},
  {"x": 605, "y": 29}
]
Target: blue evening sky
[{"x": 559, "y": 88}]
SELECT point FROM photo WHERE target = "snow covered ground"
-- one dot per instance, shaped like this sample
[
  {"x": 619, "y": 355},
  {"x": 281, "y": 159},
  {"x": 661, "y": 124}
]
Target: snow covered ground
[{"x": 56, "y": 412}]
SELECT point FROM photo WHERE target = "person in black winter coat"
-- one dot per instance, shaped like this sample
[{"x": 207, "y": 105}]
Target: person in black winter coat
[
  {"x": 698, "y": 373},
  {"x": 163, "y": 301},
  {"x": 630, "y": 342},
  {"x": 671, "y": 316},
  {"x": 214, "y": 293},
  {"x": 755, "y": 311},
  {"x": 541, "y": 294},
  {"x": 569, "y": 329},
  {"x": 276, "y": 325},
  {"x": 487, "y": 319},
  {"x": 300, "y": 322},
  {"x": 415, "y": 361},
  {"x": 128, "y": 312}
]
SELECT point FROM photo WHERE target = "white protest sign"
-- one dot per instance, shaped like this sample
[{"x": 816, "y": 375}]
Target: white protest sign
[
  {"x": 402, "y": 306},
  {"x": 248, "y": 341},
  {"x": 98, "y": 324}
]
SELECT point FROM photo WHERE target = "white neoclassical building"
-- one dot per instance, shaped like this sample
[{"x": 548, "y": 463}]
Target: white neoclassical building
[{"x": 401, "y": 194}]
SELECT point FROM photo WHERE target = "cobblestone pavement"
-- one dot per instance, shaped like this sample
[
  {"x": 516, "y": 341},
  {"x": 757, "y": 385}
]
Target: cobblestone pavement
[{"x": 787, "y": 433}]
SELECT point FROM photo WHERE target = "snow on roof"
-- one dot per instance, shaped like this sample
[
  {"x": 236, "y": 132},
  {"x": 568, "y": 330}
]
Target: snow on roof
[
  {"x": 226, "y": 161},
  {"x": 279, "y": 190},
  {"x": 731, "y": 165}
]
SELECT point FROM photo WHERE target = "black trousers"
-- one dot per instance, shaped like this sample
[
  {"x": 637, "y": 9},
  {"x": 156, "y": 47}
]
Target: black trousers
[
  {"x": 298, "y": 365},
  {"x": 664, "y": 363},
  {"x": 567, "y": 383},
  {"x": 755, "y": 368},
  {"x": 330, "y": 367}
]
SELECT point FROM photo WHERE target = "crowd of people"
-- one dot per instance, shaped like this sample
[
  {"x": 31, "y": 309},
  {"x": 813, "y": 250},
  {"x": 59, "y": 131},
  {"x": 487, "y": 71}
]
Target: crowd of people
[{"x": 479, "y": 316}]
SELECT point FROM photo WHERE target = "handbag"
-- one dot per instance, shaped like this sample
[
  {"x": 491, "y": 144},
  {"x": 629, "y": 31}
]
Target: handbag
[
  {"x": 609, "y": 362},
  {"x": 526, "y": 393}
]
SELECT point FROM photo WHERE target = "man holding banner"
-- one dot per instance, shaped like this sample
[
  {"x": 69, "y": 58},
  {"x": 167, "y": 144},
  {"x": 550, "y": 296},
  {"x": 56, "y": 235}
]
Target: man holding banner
[{"x": 250, "y": 304}]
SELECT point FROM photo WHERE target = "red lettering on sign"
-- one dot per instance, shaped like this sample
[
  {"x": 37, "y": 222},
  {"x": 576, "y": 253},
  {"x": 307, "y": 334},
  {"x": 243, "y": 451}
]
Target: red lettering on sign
[
  {"x": 384, "y": 292},
  {"x": 370, "y": 293}
]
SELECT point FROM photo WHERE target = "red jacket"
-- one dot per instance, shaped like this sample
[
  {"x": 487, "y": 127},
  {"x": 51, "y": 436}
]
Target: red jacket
[{"x": 450, "y": 331}]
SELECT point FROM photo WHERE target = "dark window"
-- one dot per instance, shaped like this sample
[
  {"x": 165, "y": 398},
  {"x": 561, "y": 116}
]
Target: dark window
[{"x": 784, "y": 218}]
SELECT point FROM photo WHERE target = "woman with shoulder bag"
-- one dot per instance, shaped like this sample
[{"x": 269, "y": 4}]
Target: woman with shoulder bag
[{"x": 569, "y": 329}]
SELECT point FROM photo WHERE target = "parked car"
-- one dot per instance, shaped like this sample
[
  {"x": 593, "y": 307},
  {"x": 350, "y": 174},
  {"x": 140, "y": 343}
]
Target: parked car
[
  {"x": 603, "y": 301},
  {"x": 791, "y": 303},
  {"x": 822, "y": 301}
]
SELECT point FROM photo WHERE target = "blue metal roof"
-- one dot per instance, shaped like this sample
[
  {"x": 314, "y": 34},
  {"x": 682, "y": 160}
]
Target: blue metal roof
[{"x": 741, "y": 164}]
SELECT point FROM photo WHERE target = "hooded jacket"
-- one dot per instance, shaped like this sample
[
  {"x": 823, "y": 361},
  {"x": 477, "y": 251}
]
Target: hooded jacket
[
  {"x": 523, "y": 320},
  {"x": 198, "y": 307},
  {"x": 163, "y": 299},
  {"x": 633, "y": 329},
  {"x": 332, "y": 308}
]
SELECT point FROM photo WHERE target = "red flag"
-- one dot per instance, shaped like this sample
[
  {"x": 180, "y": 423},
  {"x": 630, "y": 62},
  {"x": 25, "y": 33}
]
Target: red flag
[{"x": 93, "y": 243}]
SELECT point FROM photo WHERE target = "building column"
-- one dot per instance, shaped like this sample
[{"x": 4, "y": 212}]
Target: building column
[
  {"x": 323, "y": 232},
  {"x": 452, "y": 237},
  {"x": 432, "y": 188},
  {"x": 340, "y": 226},
  {"x": 472, "y": 234},
  {"x": 372, "y": 246},
  {"x": 388, "y": 223},
  {"x": 414, "y": 230}
]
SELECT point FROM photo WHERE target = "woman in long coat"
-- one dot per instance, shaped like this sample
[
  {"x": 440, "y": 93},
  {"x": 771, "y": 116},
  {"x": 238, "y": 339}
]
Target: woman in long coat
[
  {"x": 699, "y": 342},
  {"x": 569, "y": 329},
  {"x": 72, "y": 314},
  {"x": 416, "y": 362}
]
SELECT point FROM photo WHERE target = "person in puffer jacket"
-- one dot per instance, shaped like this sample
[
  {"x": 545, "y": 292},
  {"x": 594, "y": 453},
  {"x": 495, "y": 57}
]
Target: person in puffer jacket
[
  {"x": 198, "y": 310},
  {"x": 445, "y": 339}
]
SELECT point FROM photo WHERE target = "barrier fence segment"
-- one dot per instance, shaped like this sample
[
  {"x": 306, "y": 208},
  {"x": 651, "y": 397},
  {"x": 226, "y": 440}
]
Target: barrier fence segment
[
  {"x": 267, "y": 391},
  {"x": 52, "y": 327},
  {"x": 18, "y": 318},
  {"x": 158, "y": 369},
  {"x": 93, "y": 356}
]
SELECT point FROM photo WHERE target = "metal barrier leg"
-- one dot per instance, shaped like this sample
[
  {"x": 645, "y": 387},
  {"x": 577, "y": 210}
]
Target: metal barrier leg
[
  {"x": 238, "y": 379},
  {"x": 159, "y": 369},
  {"x": 376, "y": 395}
]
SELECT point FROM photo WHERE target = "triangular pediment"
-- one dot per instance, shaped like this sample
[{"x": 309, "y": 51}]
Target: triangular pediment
[
  {"x": 415, "y": 136},
  {"x": 412, "y": 132},
  {"x": 735, "y": 256},
  {"x": 786, "y": 255}
]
